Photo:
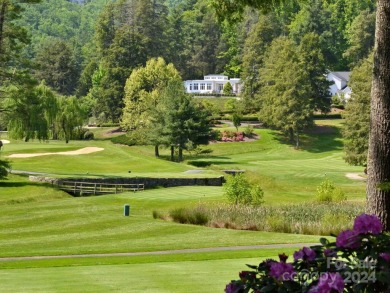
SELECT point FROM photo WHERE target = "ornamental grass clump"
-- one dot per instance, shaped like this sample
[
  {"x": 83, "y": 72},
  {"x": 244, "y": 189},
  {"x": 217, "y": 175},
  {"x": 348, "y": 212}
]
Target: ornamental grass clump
[{"x": 358, "y": 261}]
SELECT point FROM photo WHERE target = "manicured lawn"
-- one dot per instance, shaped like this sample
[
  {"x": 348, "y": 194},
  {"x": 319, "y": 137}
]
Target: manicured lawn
[
  {"x": 194, "y": 273},
  {"x": 36, "y": 219}
]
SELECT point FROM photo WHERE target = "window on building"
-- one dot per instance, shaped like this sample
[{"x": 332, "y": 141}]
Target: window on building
[
  {"x": 202, "y": 86},
  {"x": 190, "y": 86},
  {"x": 209, "y": 86},
  {"x": 196, "y": 86}
]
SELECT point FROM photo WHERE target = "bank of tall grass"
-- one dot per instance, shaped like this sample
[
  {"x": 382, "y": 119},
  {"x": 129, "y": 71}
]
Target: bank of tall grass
[{"x": 305, "y": 218}]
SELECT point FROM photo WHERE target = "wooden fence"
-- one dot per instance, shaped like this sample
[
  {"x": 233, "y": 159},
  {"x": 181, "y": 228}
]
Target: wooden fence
[{"x": 90, "y": 188}]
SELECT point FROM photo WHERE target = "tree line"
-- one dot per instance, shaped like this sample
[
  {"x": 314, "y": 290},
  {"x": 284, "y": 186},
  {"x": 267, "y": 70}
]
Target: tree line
[{"x": 89, "y": 50}]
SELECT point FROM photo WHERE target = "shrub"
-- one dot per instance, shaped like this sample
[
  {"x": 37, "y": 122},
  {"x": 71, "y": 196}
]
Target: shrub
[
  {"x": 232, "y": 136},
  {"x": 328, "y": 193},
  {"x": 239, "y": 190},
  {"x": 257, "y": 195},
  {"x": 123, "y": 139},
  {"x": 248, "y": 131},
  {"x": 88, "y": 135},
  {"x": 4, "y": 167},
  {"x": 215, "y": 135},
  {"x": 189, "y": 216},
  {"x": 199, "y": 164},
  {"x": 358, "y": 261},
  {"x": 227, "y": 89}
]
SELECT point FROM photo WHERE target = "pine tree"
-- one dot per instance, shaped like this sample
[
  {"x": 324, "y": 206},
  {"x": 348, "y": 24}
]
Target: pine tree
[
  {"x": 285, "y": 94},
  {"x": 357, "y": 115}
]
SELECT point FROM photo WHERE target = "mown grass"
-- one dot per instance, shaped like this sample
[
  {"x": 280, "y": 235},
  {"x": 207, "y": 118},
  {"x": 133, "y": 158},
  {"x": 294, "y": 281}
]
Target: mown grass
[
  {"x": 96, "y": 225},
  {"x": 196, "y": 272},
  {"x": 38, "y": 220}
]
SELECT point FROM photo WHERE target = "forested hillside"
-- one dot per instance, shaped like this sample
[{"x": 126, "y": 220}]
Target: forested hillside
[{"x": 89, "y": 48}]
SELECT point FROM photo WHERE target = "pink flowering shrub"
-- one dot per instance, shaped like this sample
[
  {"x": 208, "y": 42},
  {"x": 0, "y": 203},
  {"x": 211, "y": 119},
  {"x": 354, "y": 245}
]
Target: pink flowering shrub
[
  {"x": 232, "y": 136},
  {"x": 358, "y": 261}
]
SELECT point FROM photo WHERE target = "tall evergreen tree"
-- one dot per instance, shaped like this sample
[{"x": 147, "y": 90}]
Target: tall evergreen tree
[
  {"x": 13, "y": 38},
  {"x": 185, "y": 123},
  {"x": 258, "y": 40},
  {"x": 57, "y": 66},
  {"x": 313, "y": 60},
  {"x": 357, "y": 115},
  {"x": 285, "y": 94},
  {"x": 361, "y": 36}
]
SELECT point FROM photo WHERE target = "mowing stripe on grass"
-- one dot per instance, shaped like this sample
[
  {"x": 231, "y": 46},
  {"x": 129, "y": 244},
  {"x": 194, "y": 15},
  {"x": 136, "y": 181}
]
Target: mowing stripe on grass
[{"x": 164, "y": 252}]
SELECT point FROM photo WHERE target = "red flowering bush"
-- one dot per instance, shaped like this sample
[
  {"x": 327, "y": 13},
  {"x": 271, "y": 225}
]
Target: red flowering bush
[
  {"x": 232, "y": 136},
  {"x": 358, "y": 261}
]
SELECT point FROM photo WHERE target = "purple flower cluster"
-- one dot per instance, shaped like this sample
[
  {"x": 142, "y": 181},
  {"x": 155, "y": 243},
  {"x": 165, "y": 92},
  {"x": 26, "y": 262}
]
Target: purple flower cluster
[
  {"x": 364, "y": 224},
  {"x": 281, "y": 271},
  {"x": 348, "y": 239},
  {"x": 385, "y": 256},
  {"x": 313, "y": 267},
  {"x": 328, "y": 283},
  {"x": 232, "y": 287},
  {"x": 306, "y": 254}
]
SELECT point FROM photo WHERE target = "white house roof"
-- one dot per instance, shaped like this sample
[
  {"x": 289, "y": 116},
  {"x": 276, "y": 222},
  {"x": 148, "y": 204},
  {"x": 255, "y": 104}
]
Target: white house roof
[{"x": 341, "y": 75}]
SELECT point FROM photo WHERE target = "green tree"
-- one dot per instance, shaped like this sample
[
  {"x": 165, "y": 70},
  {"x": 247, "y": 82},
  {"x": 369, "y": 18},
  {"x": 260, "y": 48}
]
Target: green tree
[
  {"x": 57, "y": 66},
  {"x": 236, "y": 119},
  {"x": 30, "y": 111},
  {"x": 185, "y": 123},
  {"x": 313, "y": 60},
  {"x": 357, "y": 115},
  {"x": 285, "y": 96},
  {"x": 239, "y": 190},
  {"x": 204, "y": 35},
  {"x": 378, "y": 199},
  {"x": 13, "y": 38},
  {"x": 227, "y": 89},
  {"x": 70, "y": 118},
  {"x": 361, "y": 36},
  {"x": 125, "y": 53},
  {"x": 143, "y": 94},
  {"x": 259, "y": 38},
  {"x": 126, "y": 39},
  {"x": 316, "y": 17}
]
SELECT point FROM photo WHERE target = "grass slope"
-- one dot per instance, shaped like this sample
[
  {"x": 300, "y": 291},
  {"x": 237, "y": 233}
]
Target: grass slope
[{"x": 38, "y": 220}]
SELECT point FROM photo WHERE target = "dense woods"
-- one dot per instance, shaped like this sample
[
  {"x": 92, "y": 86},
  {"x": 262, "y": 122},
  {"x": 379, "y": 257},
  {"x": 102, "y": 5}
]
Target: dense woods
[{"x": 89, "y": 50}]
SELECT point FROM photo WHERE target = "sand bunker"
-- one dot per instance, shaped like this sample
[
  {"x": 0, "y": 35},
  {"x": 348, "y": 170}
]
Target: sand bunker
[
  {"x": 82, "y": 151},
  {"x": 354, "y": 176}
]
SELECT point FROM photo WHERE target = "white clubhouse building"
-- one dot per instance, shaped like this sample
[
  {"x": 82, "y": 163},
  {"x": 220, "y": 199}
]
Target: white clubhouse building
[{"x": 212, "y": 83}]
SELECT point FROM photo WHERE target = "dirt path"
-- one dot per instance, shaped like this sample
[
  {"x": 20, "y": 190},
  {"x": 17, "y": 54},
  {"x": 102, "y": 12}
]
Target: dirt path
[
  {"x": 164, "y": 252},
  {"x": 83, "y": 151}
]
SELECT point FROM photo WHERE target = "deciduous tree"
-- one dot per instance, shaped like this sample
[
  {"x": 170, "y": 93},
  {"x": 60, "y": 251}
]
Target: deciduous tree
[{"x": 143, "y": 94}]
